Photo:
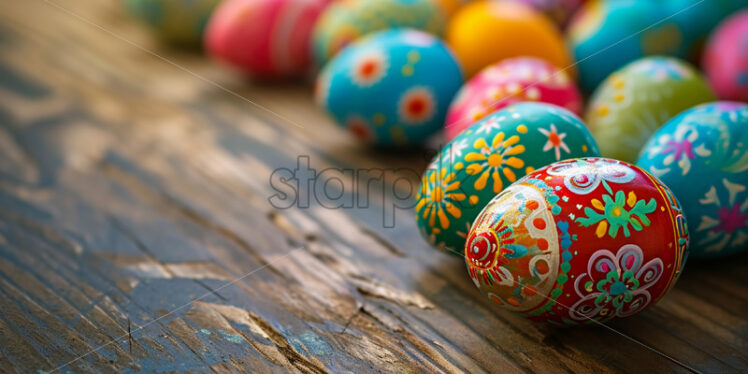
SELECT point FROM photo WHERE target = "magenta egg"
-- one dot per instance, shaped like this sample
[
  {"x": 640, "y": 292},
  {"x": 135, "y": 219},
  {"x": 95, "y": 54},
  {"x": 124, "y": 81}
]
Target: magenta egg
[
  {"x": 508, "y": 82},
  {"x": 726, "y": 58}
]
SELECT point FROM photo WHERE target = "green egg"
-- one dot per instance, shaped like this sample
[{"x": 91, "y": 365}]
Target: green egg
[
  {"x": 179, "y": 22},
  {"x": 343, "y": 22},
  {"x": 632, "y": 103}
]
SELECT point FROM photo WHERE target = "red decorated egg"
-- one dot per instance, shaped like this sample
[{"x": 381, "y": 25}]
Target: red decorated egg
[
  {"x": 578, "y": 242},
  {"x": 508, "y": 82},
  {"x": 266, "y": 38}
]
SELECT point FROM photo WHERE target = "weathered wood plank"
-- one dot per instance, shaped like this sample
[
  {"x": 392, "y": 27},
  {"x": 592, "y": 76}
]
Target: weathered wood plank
[{"x": 135, "y": 223}]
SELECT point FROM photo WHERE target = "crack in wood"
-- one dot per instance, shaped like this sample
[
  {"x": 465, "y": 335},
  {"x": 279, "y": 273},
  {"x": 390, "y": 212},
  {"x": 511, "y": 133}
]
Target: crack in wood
[
  {"x": 371, "y": 288},
  {"x": 392, "y": 248},
  {"x": 129, "y": 336},
  {"x": 300, "y": 362},
  {"x": 351, "y": 318}
]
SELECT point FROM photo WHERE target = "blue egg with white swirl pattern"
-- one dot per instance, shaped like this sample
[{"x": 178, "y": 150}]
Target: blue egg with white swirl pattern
[
  {"x": 702, "y": 155},
  {"x": 391, "y": 88}
]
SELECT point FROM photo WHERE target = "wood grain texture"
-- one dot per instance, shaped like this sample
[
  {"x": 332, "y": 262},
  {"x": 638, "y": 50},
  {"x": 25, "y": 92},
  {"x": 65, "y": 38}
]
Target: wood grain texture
[{"x": 136, "y": 232}]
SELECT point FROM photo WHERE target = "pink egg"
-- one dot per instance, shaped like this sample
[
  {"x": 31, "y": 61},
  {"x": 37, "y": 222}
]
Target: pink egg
[
  {"x": 265, "y": 38},
  {"x": 508, "y": 82},
  {"x": 726, "y": 58}
]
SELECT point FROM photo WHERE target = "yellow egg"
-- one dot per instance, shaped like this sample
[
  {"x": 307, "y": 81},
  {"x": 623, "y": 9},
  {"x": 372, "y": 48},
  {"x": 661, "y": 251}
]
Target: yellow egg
[{"x": 483, "y": 33}]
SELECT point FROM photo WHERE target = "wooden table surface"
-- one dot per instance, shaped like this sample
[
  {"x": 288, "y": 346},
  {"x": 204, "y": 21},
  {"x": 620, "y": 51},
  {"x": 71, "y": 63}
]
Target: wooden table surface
[{"x": 136, "y": 233}]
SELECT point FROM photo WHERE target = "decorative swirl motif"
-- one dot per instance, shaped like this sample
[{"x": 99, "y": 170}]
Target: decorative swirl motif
[
  {"x": 651, "y": 272},
  {"x": 639, "y": 302},
  {"x": 488, "y": 253},
  {"x": 724, "y": 221},
  {"x": 615, "y": 285},
  {"x": 582, "y": 176},
  {"x": 483, "y": 249},
  {"x": 604, "y": 265}
]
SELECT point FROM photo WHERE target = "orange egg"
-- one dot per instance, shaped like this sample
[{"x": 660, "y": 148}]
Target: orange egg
[{"x": 482, "y": 33}]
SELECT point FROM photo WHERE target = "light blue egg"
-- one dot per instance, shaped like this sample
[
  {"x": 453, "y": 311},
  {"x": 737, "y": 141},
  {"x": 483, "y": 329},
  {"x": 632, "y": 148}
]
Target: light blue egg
[
  {"x": 702, "y": 155},
  {"x": 606, "y": 35},
  {"x": 697, "y": 18},
  {"x": 391, "y": 88}
]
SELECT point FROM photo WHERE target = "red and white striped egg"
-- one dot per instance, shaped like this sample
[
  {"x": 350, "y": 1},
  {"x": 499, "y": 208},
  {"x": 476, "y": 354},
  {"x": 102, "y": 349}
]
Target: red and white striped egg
[{"x": 265, "y": 38}]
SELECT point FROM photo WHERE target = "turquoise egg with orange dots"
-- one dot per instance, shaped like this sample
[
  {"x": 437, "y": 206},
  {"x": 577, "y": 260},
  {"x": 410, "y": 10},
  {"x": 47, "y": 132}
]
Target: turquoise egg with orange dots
[
  {"x": 702, "y": 154},
  {"x": 486, "y": 158},
  {"x": 180, "y": 22},
  {"x": 391, "y": 88},
  {"x": 345, "y": 21},
  {"x": 604, "y": 35},
  {"x": 579, "y": 242}
]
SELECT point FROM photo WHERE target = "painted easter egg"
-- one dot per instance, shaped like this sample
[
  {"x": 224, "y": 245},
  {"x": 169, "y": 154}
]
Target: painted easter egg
[
  {"x": 560, "y": 11},
  {"x": 345, "y": 21},
  {"x": 702, "y": 154},
  {"x": 631, "y": 104},
  {"x": 697, "y": 18},
  {"x": 180, "y": 22},
  {"x": 579, "y": 242},
  {"x": 508, "y": 82},
  {"x": 606, "y": 34},
  {"x": 486, "y": 158},
  {"x": 726, "y": 58},
  {"x": 392, "y": 87},
  {"x": 483, "y": 33},
  {"x": 265, "y": 38}
]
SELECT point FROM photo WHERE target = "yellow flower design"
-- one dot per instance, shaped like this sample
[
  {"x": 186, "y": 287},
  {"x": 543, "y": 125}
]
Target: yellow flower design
[
  {"x": 493, "y": 160},
  {"x": 437, "y": 197}
]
